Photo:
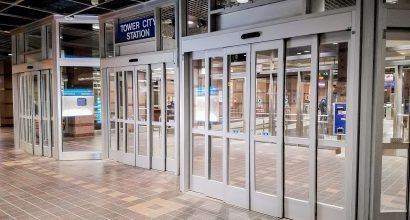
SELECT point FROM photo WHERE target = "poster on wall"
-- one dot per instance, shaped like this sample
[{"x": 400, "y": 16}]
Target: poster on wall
[
  {"x": 135, "y": 30},
  {"x": 77, "y": 102},
  {"x": 339, "y": 119}
]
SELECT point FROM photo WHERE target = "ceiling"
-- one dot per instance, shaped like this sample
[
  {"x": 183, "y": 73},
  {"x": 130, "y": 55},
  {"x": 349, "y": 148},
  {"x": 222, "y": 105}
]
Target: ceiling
[{"x": 16, "y": 13}]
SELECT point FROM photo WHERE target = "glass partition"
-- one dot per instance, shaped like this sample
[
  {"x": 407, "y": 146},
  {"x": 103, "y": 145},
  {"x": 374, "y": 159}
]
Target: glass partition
[
  {"x": 109, "y": 39},
  {"x": 33, "y": 40},
  {"x": 79, "y": 40},
  {"x": 197, "y": 18},
  {"x": 237, "y": 92},
  {"x": 198, "y": 102},
  {"x": 394, "y": 176},
  {"x": 216, "y": 94},
  {"x": 168, "y": 40},
  {"x": 81, "y": 108},
  {"x": 326, "y": 5}
]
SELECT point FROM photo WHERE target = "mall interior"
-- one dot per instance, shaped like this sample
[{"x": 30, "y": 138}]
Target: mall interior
[{"x": 205, "y": 109}]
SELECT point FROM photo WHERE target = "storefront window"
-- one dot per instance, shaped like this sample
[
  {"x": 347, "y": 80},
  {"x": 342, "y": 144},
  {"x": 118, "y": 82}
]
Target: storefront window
[
  {"x": 79, "y": 40},
  {"x": 197, "y": 20},
  {"x": 168, "y": 28},
  {"x": 81, "y": 108}
]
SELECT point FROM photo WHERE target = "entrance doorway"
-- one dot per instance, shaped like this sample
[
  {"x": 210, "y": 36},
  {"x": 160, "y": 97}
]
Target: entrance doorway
[
  {"x": 142, "y": 102},
  {"x": 35, "y": 112},
  {"x": 269, "y": 123}
]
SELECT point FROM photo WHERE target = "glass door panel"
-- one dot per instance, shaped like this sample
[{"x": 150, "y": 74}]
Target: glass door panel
[
  {"x": 297, "y": 98},
  {"x": 171, "y": 117},
  {"x": 266, "y": 116},
  {"x": 143, "y": 121},
  {"x": 158, "y": 115}
]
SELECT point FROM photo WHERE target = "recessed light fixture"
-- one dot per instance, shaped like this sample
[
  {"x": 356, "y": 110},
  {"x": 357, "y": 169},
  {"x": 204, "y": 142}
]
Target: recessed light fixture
[
  {"x": 299, "y": 53},
  {"x": 190, "y": 22},
  {"x": 10, "y": 54},
  {"x": 242, "y": 1},
  {"x": 96, "y": 26},
  {"x": 306, "y": 51},
  {"x": 335, "y": 43}
]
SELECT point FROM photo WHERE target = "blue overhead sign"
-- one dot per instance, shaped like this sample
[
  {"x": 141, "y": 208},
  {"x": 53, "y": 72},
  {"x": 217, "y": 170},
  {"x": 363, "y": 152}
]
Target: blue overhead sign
[{"x": 136, "y": 29}]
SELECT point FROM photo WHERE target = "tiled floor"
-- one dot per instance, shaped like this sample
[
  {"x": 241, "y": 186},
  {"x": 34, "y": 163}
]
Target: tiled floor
[{"x": 42, "y": 188}]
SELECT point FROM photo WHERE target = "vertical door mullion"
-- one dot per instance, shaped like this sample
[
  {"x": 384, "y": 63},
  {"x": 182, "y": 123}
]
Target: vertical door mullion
[
  {"x": 313, "y": 128},
  {"x": 252, "y": 128},
  {"x": 280, "y": 162},
  {"x": 149, "y": 115},
  {"x": 135, "y": 109},
  {"x": 208, "y": 147},
  {"x": 124, "y": 112},
  {"x": 225, "y": 126},
  {"x": 163, "y": 114},
  {"x": 247, "y": 119}
]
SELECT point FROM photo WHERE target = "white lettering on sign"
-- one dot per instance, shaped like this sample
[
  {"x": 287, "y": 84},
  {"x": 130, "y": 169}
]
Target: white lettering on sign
[{"x": 138, "y": 29}]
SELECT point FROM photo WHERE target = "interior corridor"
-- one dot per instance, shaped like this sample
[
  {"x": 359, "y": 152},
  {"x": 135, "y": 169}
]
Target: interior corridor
[{"x": 43, "y": 188}]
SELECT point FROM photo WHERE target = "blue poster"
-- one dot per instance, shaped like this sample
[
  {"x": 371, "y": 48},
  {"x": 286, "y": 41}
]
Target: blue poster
[
  {"x": 136, "y": 29},
  {"x": 339, "y": 125}
]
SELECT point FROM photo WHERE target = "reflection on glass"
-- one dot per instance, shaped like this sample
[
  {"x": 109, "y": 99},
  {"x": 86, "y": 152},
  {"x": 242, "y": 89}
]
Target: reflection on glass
[
  {"x": 237, "y": 163},
  {"x": 170, "y": 96},
  {"x": 331, "y": 104},
  {"x": 120, "y": 136},
  {"x": 81, "y": 108},
  {"x": 79, "y": 40},
  {"x": 265, "y": 168},
  {"x": 236, "y": 92},
  {"x": 297, "y": 91},
  {"x": 197, "y": 19},
  {"x": 170, "y": 149},
  {"x": 326, "y": 5},
  {"x": 109, "y": 39},
  {"x": 130, "y": 138},
  {"x": 215, "y": 94},
  {"x": 168, "y": 27},
  {"x": 216, "y": 158},
  {"x": 220, "y": 4},
  {"x": 296, "y": 121},
  {"x": 157, "y": 149},
  {"x": 130, "y": 94},
  {"x": 297, "y": 172},
  {"x": 198, "y": 108},
  {"x": 395, "y": 124},
  {"x": 120, "y": 94},
  {"x": 266, "y": 92},
  {"x": 198, "y": 155},
  {"x": 142, "y": 140},
  {"x": 35, "y": 94},
  {"x": 113, "y": 93},
  {"x": 33, "y": 40},
  {"x": 36, "y": 132},
  {"x": 113, "y": 136},
  {"x": 142, "y": 95},
  {"x": 156, "y": 88}
]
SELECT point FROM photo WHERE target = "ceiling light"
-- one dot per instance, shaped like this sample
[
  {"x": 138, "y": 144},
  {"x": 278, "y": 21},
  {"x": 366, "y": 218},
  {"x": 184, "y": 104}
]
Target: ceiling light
[
  {"x": 96, "y": 27},
  {"x": 242, "y": 1},
  {"x": 299, "y": 53},
  {"x": 306, "y": 51},
  {"x": 190, "y": 22},
  {"x": 10, "y": 54},
  {"x": 335, "y": 43}
]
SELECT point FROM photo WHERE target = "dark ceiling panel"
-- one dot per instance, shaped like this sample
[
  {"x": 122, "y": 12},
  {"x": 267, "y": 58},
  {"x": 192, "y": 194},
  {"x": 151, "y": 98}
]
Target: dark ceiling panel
[
  {"x": 13, "y": 21},
  {"x": 26, "y": 12},
  {"x": 9, "y": 1},
  {"x": 63, "y": 7},
  {"x": 92, "y": 2},
  {"x": 94, "y": 11},
  {"x": 6, "y": 27},
  {"x": 3, "y": 6},
  {"x": 118, "y": 4}
]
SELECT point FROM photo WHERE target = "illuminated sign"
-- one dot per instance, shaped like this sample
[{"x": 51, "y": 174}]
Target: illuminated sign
[{"x": 136, "y": 29}]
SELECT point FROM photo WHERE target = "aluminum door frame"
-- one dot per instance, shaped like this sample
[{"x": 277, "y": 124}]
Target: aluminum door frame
[
  {"x": 260, "y": 201},
  {"x": 222, "y": 190},
  {"x": 143, "y": 161},
  {"x": 158, "y": 163},
  {"x": 46, "y": 113}
]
